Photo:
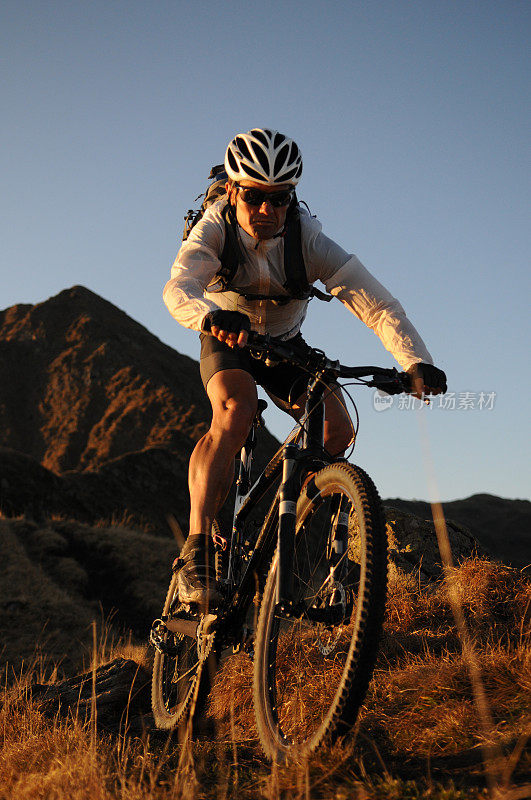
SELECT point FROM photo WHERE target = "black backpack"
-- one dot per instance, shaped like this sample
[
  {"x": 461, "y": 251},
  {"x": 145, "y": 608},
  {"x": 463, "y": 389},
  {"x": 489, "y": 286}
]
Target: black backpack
[{"x": 232, "y": 256}]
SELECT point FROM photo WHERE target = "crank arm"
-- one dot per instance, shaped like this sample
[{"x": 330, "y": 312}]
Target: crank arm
[{"x": 189, "y": 627}]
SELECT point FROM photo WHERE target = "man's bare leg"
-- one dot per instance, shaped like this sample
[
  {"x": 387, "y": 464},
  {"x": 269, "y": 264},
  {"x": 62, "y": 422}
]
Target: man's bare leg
[
  {"x": 232, "y": 394},
  {"x": 338, "y": 433}
]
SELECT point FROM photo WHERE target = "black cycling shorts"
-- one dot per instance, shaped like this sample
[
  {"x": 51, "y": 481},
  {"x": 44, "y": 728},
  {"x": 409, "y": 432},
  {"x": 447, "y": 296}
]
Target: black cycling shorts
[{"x": 284, "y": 381}]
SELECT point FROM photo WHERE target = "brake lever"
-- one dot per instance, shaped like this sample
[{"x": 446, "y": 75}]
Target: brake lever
[{"x": 397, "y": 383}]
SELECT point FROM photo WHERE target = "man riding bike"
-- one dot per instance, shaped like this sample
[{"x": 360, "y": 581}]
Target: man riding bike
[{"x": 260, "y": 219}]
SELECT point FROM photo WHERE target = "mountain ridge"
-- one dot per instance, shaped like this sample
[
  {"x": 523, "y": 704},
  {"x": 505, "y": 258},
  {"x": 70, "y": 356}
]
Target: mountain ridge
[
  {"x": 84, "y": 381},
  {"x": 92, "y": 397},
  {"x": 501, "y": 525}
]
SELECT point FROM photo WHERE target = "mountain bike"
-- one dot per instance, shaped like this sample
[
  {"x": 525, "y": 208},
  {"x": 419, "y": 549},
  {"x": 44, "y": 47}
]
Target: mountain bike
[{"x": 316, "y": 567}]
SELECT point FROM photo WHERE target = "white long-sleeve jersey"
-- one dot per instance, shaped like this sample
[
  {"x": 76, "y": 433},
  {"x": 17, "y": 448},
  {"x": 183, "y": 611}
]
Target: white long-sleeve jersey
[{"x": 193, "y": 291}]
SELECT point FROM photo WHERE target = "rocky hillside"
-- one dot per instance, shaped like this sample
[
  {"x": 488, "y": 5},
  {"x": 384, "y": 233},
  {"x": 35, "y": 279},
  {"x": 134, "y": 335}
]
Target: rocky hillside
[
  {"x": 60, "y": 576},
  {"x": 97, "y": 416},
  {"x": 502, "y": 526},
  {"x": 83, "y": 383}
]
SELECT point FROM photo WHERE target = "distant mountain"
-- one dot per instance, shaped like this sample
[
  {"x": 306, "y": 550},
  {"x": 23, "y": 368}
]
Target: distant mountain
[
  {"x": 502, "y": 526},
  {"x": 98, "y": 418},
  {"x": 105, "y": 414},
  {"x": 82, "y": 383}
]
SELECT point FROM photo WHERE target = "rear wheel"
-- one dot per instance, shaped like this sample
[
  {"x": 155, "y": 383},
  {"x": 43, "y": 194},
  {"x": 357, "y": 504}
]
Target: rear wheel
[
  {"x": 183, "y": 666},
  {"x": 312, "y": 668}
]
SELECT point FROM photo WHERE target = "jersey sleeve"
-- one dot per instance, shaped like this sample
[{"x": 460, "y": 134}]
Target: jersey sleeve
[
  {"x": 345, "y": 277},
  {"x": 194, "y": 268}
]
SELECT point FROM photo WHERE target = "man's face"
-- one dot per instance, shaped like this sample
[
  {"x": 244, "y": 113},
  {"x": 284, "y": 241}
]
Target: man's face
[{"x": 263, "y": 221}]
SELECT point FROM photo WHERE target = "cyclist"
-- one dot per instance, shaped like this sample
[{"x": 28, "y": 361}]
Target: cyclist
[{"x": 263, "y": 167}]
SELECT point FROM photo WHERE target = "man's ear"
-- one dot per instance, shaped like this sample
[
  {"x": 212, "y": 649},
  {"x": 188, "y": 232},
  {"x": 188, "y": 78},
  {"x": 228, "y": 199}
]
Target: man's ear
[{"x": 231, "y": 191}]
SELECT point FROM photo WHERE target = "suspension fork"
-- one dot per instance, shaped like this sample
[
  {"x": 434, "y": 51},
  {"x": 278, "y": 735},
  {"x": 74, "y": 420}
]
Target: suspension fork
[
  {"x": 287, "y": 512},
  {"x": 292, "y": 471},
  {"x": 314, "y": 437},
  {"x": 339, "y": 538}
]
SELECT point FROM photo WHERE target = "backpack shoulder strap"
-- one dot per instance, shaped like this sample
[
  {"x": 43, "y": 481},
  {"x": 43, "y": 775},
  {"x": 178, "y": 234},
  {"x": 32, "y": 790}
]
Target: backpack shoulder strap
[
  {"x": 296, "y": 278},
  {"x": 231, "y": 255}
]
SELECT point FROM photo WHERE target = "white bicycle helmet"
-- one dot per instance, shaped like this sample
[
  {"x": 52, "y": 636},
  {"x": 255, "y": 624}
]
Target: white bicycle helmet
[{"x": 264, "y": 156}]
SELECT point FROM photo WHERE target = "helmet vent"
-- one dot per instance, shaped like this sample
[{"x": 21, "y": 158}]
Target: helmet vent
[
  {"x": 281, "y": 158},
  {"x": 242, "y": 147},
  {"x": 263, "y": 159},
  {"x": 252, "y": 173},
  {"x": 261, "y": 136},
  {"x": 232, "y": 161},
  {"x": 284, "y": 177}
]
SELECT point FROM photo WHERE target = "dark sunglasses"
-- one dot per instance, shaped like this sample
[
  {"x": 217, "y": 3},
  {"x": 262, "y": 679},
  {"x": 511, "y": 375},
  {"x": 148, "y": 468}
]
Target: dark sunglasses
[{"x": 255, "y": 197}]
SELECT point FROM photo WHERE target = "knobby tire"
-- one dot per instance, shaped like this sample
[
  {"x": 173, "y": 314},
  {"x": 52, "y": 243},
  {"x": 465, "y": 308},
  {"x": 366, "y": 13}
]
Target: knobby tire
[
  {"x": 181, "y": 681},
  {"x": 310, "y": 677}
]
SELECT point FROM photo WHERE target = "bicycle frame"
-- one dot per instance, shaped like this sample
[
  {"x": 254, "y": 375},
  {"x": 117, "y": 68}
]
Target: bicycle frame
[{"x": 304, "y": 445}]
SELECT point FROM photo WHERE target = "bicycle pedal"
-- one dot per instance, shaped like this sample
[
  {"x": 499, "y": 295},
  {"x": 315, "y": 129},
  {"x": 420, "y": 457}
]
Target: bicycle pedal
[{"x": 156, "y": 637}]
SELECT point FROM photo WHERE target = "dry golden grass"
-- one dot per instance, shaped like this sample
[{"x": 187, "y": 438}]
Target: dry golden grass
[{"x": 418, "y": 735}]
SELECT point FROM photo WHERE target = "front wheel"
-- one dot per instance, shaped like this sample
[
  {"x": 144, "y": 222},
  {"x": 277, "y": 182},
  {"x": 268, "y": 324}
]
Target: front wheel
[{"x": 313, "y": 666}]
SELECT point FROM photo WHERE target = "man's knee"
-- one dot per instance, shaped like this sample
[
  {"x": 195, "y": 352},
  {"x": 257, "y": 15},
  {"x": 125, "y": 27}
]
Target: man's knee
[
  {"x": 234, "y": 400},
  {"x": 235, "y": 415},
  {"x": 338, "y": 427}
]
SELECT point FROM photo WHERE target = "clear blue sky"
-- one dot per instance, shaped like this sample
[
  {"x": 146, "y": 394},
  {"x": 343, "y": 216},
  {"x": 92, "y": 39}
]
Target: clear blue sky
[{"x": 413, "y": 121}]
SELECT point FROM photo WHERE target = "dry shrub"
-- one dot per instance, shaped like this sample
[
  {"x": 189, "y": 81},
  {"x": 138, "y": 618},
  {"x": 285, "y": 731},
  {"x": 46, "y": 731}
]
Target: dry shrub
[
  {"x": 58, "y": 759},
  {"x": 493, "y": 597},
  {"x": 125, "y": 520},
  {"x": 492, "y": 593}
]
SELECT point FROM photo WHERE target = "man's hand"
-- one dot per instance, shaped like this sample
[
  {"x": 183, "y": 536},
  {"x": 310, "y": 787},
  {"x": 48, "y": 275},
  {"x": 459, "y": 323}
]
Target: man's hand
[
  {"x": 230, "y": 327},
  {"x": 426, "y": 379}
]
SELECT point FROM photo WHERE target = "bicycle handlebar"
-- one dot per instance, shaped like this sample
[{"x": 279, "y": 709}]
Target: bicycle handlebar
[{"x": 316, "y": 362}]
